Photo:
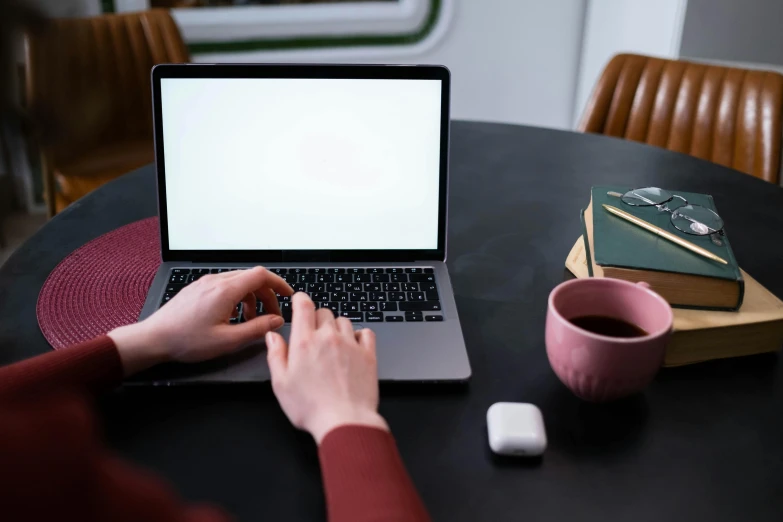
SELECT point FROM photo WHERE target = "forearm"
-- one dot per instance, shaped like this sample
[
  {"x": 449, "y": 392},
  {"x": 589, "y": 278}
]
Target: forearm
[
  {"x": 89, "y": 366},
  {"x": 365, "y": 479}
]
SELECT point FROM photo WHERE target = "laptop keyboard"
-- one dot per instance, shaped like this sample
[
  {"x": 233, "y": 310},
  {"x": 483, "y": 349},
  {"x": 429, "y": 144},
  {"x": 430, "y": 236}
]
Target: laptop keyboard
[{"x": 367, "y": 295}]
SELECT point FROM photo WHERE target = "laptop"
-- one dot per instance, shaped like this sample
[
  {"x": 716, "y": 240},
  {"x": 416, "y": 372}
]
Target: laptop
[{"x": 335, "y": 177}]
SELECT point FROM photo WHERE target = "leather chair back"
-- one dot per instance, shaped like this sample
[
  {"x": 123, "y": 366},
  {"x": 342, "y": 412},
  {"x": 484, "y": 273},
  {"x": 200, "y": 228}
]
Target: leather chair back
[
  {"x": 726, "y": 115},
  {"x": 88, "y": 80}
]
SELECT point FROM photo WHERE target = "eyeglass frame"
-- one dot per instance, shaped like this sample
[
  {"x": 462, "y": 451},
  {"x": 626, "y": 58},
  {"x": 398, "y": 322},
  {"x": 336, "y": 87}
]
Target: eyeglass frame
[{"x": 663, "y": 207}]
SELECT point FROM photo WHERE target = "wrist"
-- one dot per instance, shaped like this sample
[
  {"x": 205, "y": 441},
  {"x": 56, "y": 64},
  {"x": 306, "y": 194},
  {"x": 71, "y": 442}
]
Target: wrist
[
  {"x": 137, "y": 347},
  {"x": 345, "y": 417}
]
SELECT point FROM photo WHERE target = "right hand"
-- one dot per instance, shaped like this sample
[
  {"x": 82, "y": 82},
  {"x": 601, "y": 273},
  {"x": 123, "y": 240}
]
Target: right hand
[{"x": 327, "y": 377}]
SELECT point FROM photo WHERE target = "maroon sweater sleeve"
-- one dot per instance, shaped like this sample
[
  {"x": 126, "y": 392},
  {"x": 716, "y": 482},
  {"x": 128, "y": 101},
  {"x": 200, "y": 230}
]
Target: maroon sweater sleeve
[
  {"x": 89, "y": 366},
  {"x": 365, "y": 479}
]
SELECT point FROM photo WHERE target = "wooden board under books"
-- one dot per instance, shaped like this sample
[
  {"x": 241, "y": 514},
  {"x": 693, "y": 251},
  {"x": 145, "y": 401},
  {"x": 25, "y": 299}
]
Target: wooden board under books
[{"x": 701, "y": 335}]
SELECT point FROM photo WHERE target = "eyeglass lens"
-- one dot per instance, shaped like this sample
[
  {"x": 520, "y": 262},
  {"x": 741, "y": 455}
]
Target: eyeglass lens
[{"x": 691, "y": 219}]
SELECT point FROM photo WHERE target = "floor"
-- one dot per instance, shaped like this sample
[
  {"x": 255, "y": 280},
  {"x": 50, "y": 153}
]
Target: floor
[{"x": 16, "y": 229}]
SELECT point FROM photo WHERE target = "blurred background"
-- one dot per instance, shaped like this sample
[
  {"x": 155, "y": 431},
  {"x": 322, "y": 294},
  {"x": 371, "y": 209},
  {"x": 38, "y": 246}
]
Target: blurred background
[{"x": 81, "y": 82}]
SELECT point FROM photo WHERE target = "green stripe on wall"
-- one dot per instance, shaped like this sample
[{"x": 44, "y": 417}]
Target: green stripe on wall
[{"x": 314, "y": 42}]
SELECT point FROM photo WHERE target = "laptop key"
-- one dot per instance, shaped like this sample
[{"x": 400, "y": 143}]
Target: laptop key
[
  {"x": 422, "y": 278},
  {"x": 315, "y": 287},
  {"x": 214, "y": 271},
  {"x": 380, "y": 278},
  {"x": 399, "y": 278},
  {"x": 394, "y": 318},
  {"x": 415, "y": 296},
  {"x": 375, "y": 270},
  {"x": 433, "y": 318},
  {"x": 202, "y": 271},
  {"x": 320, "y": 296},
  {"x": 372, "y": 287},
  {"x": 409, "y": 287},
  {"x": 335, "y": 271},
  {"x": 363, "y": 278},
  {"x": 179, "y": 278},
  {"x": 344, "y": 278},
  {"x": 355, "y": 270},
  {"x": 429, "y": 270},
  {"x": 419, "y": 306},
  {"x": 335, "y": 287},
  {"x": 307, "y": 278},
  {"x": 358, "y": 296},
  {"x": 377, "y": 296},
  {"x": 299, "y": 287},
  {"x": 316, "y": 270},
  {"x": 353, "y": 316},
  {"x": 279, "y": 271},
  {"x": 180, "y": 271},
  {"x": 427, "y": 287},
  {"x": 354, "y": 287},
  {"x": 283, "y": 298},
  {"x": 174, "y": 288},
  {"x": 414, "y": 316},
  {"x": 432, "y": 295},
  {"x": 391, "y": 287},
  {"x": 388, "y": 306},
  {"x": 349, "y": 307},
  {"x": 325, "y": 278},
  {"x": 290, "y": 278},
  {"x": 413, "y": 270},
  {"x": 396, "y": 296},
  {"x": 394, "y": 270},
  {"x": 369, "y": 307},
  {"x": 339, "y": 296},
  {"x": 374, "y": 317},
  {"x": 334, "y": 307}
]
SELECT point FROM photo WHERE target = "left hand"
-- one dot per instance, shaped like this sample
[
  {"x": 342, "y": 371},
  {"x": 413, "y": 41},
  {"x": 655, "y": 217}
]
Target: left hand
[{"x": 194, "y": 327}]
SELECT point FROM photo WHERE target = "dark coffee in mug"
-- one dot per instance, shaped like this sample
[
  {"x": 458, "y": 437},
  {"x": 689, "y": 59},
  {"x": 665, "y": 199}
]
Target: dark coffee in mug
[{"x": 609, "y": 326}]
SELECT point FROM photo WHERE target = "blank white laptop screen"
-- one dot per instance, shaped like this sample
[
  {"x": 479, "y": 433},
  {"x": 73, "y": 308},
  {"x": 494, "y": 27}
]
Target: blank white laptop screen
[{"x": 301, "y": 164}]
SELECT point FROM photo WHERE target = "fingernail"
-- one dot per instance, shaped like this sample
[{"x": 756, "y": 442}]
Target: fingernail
[
  {"x": 277, "y": 322},
  {"x": 270, "y": 339}
]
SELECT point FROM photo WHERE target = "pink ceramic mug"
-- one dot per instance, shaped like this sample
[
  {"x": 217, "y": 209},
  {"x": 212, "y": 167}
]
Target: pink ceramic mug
[{"x": 599, "y": 367}]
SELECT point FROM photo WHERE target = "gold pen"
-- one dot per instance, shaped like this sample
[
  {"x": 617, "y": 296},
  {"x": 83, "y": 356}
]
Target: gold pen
[{"x": 664, "y": 234}]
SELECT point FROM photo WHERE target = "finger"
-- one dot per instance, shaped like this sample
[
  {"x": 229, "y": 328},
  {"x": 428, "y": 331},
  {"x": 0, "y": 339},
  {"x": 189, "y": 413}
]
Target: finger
[
  {"x": 276, "y": 356},
  {"x": 249, "y": 306},
  {"x": 324, "y": 318},
  {"x": 255, "y": 279},
  {"x": 254, "y": 329},
  {"x": 345, "y": 327},
  {"x": 366, "y": 339},
  {"x": 303, "y": 320},
  {"x": 269, "y": 300}
]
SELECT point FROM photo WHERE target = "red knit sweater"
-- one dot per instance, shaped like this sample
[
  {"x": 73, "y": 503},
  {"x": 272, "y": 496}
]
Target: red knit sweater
[{"x": 75, "y": 478}]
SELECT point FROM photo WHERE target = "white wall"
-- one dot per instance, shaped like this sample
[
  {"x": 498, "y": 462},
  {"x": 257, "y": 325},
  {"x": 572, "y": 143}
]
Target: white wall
[
  {"x": 615, "y": 26},
  {"x": 511, "y": 60}
]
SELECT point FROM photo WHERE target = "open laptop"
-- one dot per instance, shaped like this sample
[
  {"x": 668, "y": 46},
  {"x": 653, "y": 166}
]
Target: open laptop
[{"x": 334, "y": 177}]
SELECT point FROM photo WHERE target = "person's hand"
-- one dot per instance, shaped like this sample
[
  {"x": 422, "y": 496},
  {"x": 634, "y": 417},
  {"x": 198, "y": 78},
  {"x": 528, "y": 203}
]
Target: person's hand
[
  {"x": 327, "y": 377},
  {"x": 194, "y": 325}
]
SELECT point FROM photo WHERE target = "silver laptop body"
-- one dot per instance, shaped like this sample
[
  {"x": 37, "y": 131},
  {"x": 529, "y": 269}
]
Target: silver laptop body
[{"x": 321, "y": 173}]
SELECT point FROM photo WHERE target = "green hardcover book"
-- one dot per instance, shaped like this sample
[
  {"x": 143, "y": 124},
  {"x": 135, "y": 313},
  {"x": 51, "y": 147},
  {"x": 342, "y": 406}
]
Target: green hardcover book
[{"x": 685, "y": 279}]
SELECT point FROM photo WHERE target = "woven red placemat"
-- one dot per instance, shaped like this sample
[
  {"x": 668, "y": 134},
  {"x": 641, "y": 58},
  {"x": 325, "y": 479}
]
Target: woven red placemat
[{"x": 100, "y": 286}]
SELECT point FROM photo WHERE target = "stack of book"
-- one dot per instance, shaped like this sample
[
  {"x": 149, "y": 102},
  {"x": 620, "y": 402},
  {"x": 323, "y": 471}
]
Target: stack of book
[{"x": 719, "y": 310}]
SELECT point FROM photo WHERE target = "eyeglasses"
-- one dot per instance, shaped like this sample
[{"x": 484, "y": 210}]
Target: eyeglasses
[{"x": 685, "y": 217}]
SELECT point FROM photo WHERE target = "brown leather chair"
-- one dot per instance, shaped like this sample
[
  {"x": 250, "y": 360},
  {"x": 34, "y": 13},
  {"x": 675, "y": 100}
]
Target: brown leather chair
[
  {"x": 88, "y": 82},
  {"x": 726, "y": 115}
]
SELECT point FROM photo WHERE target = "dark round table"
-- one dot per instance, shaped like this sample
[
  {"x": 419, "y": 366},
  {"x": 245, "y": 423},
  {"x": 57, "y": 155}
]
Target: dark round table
[{"x": 704, "y": 442}]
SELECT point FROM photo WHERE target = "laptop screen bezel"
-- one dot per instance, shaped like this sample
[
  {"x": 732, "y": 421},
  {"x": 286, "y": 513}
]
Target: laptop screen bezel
[{"x": 320, "y": 71}]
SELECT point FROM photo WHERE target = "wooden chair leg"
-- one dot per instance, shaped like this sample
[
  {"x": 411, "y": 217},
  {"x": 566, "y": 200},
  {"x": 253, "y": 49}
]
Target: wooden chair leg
[{"x": 49, "y": 186}]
